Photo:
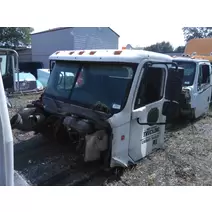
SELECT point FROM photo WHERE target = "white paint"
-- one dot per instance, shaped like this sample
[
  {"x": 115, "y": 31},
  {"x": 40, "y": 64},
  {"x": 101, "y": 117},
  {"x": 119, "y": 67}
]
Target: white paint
[
  {"x": 200, "y": 100},
  {"x": 125, "y": 124},
  {"x": 132, "y": 56},
  {"x": 137, "y": 149},
  {"x": 6, "y": 142},
  {"x": 127, "y": 143}
]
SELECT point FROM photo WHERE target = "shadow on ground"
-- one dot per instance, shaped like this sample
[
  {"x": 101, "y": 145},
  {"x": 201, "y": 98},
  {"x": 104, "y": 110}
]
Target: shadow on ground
[{"x": 43, "y": 162}]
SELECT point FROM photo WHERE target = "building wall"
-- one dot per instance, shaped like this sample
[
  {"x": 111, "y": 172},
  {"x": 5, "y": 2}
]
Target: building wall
[
  {"x": 75, "y": 38},
  {"x": 25, "y": 55},
  {"x": 44, "y": 44},
  {"x": 94, "y": 38}
]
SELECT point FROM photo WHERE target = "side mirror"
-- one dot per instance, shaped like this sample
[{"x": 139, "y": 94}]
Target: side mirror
[
  {"x": 52, "y": 64},
  {"x": 171, "y": 110},
  {"x": 204, "y": 79},
  {"x": 173, "y": 92},
  {"x": 174, "y": 84}
]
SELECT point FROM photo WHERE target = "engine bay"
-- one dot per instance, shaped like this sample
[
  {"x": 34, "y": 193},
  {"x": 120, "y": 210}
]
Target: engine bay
[{"x": 88, "y": 130}]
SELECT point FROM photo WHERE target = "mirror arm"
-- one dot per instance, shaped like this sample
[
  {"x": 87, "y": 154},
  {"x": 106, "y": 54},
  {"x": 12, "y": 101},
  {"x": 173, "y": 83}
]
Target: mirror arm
[{"x": 151, "y": 123}]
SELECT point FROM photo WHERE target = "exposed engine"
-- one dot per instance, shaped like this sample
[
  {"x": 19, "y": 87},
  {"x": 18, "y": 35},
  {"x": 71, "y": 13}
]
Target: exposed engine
[
  {"x": 89, "y": 138},
  {"x": 92, "y": 140}
]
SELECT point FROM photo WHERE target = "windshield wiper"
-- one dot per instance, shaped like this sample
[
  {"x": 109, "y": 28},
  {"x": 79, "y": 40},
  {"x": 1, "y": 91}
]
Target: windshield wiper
[{"x": 99, "y": 106}]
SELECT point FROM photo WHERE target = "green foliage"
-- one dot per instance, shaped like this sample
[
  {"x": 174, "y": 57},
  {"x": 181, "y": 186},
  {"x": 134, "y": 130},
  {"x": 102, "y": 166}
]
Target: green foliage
[
  {"x": 13, "y": 37},
  {"x": 179, "y": 49},
  {"x": 163, "y": 47},
  {"x": 196, "y": 32}
]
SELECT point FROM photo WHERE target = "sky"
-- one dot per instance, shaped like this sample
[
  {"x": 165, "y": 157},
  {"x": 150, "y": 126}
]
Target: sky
[{"x": 137, "y": 22}]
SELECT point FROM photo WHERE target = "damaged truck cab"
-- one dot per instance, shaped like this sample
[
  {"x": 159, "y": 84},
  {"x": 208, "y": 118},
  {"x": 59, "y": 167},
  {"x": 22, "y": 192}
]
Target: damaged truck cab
[
  {"x": 111, "y": 104},
  {"x": 196, "y": 92}
]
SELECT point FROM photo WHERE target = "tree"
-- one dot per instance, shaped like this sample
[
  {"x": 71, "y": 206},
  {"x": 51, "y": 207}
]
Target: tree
[
  {"x": 13, "y": 37},
  {"x": 179, "y": 49},
  {"x": 163, "y": 47},
  {"x": 196, "y": 32}
]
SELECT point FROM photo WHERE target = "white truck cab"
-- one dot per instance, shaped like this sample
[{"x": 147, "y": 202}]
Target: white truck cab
[
  {"x": 112, "y": 103},
  {"x": 196, "y": 92}
]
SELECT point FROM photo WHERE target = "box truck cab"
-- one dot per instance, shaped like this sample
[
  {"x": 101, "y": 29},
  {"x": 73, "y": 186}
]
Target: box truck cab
[
  {"x": 196, "y": 92},
  {"x": 112, "y": 104}
]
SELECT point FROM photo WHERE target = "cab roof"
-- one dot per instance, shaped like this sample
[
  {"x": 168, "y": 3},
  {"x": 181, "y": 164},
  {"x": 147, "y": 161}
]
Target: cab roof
[
  {"x": 131, "y": 56},
  {"x": 189, "y": 59}
]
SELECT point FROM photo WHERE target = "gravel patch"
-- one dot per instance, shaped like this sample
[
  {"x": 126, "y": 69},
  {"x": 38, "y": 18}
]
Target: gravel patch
[{"x": 186, "y": 160}]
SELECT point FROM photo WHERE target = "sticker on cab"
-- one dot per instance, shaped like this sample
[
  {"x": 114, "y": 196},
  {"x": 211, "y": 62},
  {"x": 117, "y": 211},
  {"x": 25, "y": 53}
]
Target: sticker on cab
[{"x": 116, "y": 106}]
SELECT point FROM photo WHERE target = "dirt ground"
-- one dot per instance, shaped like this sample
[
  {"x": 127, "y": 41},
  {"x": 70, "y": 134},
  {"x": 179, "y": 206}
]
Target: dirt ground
[
  {"x": 186, "y": 159},
  {"x": 19, "y": 102}
]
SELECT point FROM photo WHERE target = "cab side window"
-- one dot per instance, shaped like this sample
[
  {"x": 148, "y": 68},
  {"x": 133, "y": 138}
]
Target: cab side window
[
  {"x": 204, "y": 75},
  {"x": 151, "y": 87}
]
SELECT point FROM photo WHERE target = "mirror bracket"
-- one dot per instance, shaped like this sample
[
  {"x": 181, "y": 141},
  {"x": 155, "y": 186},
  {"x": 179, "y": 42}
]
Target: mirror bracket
[{"x": 151, "y": 123}]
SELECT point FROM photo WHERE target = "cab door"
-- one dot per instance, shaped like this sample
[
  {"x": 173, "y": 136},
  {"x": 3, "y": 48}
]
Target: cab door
[
  {"x": 148, "y": 105},
  {"x": 203, "y": 90}
]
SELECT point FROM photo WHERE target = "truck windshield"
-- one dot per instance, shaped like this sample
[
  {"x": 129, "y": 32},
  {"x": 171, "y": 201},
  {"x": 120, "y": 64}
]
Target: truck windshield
[
  {"x": 189, "y": 72},
  {"x": 3, "y": 64},
  {"x": 86, "y": 84}
]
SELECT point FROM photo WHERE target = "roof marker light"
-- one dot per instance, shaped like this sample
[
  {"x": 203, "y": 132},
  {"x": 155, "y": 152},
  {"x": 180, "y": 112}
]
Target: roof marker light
[
  {"x": 117, "y": 52},
  {"x": 71, "y": 53},
  {"x": 124, "y": 47},
  {"x": 57, "y": 52},
  {"x": 81, "y": 52},
  {"x": 92, "y": 52}
]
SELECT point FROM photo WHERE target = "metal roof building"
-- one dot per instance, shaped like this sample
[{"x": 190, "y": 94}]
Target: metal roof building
[{"x": 71, "y": 38}]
